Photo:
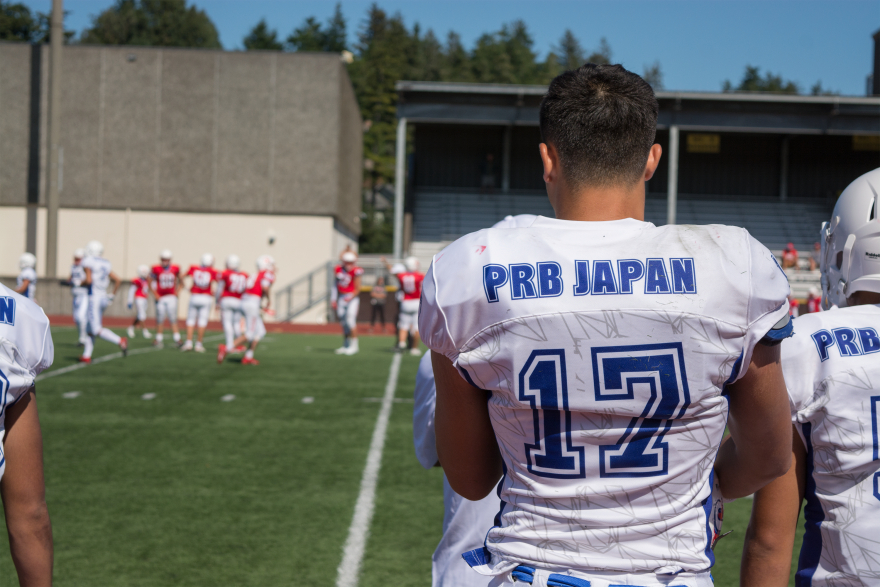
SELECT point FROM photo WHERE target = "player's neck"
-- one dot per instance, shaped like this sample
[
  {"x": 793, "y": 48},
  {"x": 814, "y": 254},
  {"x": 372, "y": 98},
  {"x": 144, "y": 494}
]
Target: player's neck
[
  {"x": 863, "y": 298},
  {"x": 599, "y": 204}
]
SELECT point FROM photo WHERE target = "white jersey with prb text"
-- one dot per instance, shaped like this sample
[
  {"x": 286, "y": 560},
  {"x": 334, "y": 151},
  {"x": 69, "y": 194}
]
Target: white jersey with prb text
[
  {"x": 832, "y": 372},
  {"x": 101, "y": 270},
  {"x": 27, "y": 274},
  {"x": 25, "y": 351},
  {"x": 607, "y": 348}
]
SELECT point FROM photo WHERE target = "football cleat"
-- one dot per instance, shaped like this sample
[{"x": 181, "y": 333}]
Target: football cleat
[
  {"x": 123, "y": 344},
  {"x": 187, "y": 346},
  {"x": 158, "y": 343},
  {"x": 130, "y": 332},
  {"x": 246, "y": 361},
  {"x": 415, "y": 352},
  {"x": 343, "y": 350},
  {"x": 147, "y": 334},
  {"x": 199, "y": 348},
  {"x": 238, "y": 349},
  {"x": 85, "y": 360},
  {"x": 221, "y": 353}
]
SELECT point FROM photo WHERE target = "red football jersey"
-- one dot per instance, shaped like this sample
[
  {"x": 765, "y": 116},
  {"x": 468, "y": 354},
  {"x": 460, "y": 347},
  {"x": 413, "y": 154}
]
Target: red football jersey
[
  {"x": 345, "y": 279},
  {"x": 142, "y": 285},
  {"x": 164, "y": 278},
  {"x": 411, "y": 284},
  {"x": 234, "y": 283},
  {"x": 259, "y": 282},
  {"x": 202, "y": 279}
]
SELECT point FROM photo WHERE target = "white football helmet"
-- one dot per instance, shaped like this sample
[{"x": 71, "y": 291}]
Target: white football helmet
[
  {"x": 233, "y": 262},
  {"x": 165, "y": 255},
  {"x": 397, "y": 268},
  {"x": 850, "y": 258},
  {"x": 143, "y": 271},
  {"x": 94, "y": 249},
  {"x": 79, "y": 253},
  {"x": 349, "y": 257},
  {"x": 266, "y": 263},
  {"x": 411, "y": 264},
  {"x": 27, "y": 261},
  {"x": 207, "y": 260}
]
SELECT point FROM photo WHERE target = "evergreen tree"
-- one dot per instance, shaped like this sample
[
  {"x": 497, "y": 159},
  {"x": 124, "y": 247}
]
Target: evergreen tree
[
  {"x": 654, "y": 76},
  {"x": 569, "y": 53},
  {"x": 602, "y": 55},
  {"x": 311, "y": 36},
  {"x": 17, "y": 23},
  {"x": 457, "y": 65},
  {"x": 164, "y": 23},
  {"x": 262, "y": 38},
  {"x": 753, "y": 81}
]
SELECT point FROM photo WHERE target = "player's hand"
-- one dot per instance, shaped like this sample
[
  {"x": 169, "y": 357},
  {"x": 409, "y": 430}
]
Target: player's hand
[
  {"x": 129, "y": 306},
  {"x": 333, "y": 305}
]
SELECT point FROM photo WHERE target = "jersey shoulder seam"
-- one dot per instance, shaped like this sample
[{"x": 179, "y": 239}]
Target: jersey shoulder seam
[{"x": 440, "y": 305}]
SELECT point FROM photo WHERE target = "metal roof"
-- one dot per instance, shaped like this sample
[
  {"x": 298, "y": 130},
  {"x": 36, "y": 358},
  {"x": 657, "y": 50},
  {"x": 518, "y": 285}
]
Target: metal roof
[{"x": 755, "y": 112}]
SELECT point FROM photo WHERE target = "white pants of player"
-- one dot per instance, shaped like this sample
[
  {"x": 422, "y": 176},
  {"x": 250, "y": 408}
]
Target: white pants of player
[
  {"x": 230, "y": 313},
  {"x": 81, "y": 313},
  {"x": 97, "y": 303},
  {"x": 199, "y": 310},
  {"x": 607, "y": 578},
  {"x": 254, "y": 329},
  {"x": 409, "y": 316},
  {"x": 166, "y": 308},
  {"x": 347, "y": 312},
  {"x": 140, "y": 308}
]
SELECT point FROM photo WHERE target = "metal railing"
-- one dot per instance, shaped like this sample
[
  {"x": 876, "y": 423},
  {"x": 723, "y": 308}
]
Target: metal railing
[{"x": 305, "y": 292}]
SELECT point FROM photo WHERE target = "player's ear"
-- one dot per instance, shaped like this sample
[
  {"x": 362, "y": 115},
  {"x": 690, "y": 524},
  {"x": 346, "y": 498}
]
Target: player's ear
[
  {"x": 653, "y": 161},
  {"x": 550, "y": 160}
]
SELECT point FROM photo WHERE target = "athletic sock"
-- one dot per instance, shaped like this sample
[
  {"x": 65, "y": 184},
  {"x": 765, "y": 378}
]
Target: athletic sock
[
  {"x": 176, "y": 337},
  {"x": 159, "y": 337},
  {"x": 89, "y": 346},
  {"x": 249, "y": 354},
  {"x": 354, "y": 344},
  {"x": 109, "y": 336},
  {"x": 146, "y": 333}
]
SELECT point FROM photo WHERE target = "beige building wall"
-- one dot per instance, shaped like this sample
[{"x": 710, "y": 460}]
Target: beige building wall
[{"x": 13, "y": 238}]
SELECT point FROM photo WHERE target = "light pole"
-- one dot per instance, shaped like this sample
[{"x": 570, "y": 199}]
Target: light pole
[{"x": 53, "y": 183}]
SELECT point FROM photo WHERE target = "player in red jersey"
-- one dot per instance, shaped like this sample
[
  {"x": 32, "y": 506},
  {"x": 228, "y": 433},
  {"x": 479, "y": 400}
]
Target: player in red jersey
[
  {"x": 344, "y": 299},
  {"x": 408, "y": 321},
  {"x": 230, "y": 286},
  {"x": 137, "y": 297},
  {"x": 203, "y": 277},
  {"x": 258, "y": 286},
  {"x": 166, "y": 284}
]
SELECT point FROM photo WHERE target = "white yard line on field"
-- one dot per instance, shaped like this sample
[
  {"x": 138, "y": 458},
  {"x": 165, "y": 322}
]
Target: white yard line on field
[
  {"x": 110, "y": 357},
  {"x": 353, "y": 554}
]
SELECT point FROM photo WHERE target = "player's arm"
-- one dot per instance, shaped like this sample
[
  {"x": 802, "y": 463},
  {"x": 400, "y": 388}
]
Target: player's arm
[
  {"x": 770, "y": 535},
  {"x": 466, "y": 444},
  {"x": 24, "y": 285},
  {"x": 357, "y": 287},
  {"x": 117, "y": 282},
  {"x": 759, "y": 449},
  {"x": 178, "y": 284},
  {"x": 88, "y": 280},
  {"x": 132, "y": 288},
  {"x": 24, "y": 495}
]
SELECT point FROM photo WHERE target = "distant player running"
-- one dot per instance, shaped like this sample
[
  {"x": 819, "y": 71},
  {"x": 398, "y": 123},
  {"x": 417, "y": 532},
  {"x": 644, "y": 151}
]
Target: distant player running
[
  {"x": 99, "y": 274},
  {"x": 80, "y": 294},
  {"x": 200, "y": 300},
  {"x": 26, "y": 283},
  {"x": 231, "y": 284},
  {"x": 344, "y": 299},
  {"x": 410, "y": 282},
  {"x": 137, "y": 298},
  {"x": 590, "y": 362},
  {"x": 26, "y": 349},
  {"x": 166, "y": 285},
  {"x": 832, "y": 372},
  {"x": 258, "y": 287}
]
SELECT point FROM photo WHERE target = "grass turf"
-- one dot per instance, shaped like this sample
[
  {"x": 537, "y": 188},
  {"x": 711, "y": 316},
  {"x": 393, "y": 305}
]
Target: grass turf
[{"x": 186, "y": 489}]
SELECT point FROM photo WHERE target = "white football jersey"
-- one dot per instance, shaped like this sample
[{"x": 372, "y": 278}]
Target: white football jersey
[
  {"x": 832, "y": 372},
  {"x": 27, "y": 274},
  {"x": 77, "y": 277},
  {"x": 25, "y": 350},
  {"x": 607, "y": 347},
  {"x": 100, "y": 275}
]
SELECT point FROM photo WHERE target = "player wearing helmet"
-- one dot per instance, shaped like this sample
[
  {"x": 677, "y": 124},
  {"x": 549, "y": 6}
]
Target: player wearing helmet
[
  {"x": 80, "y": 293},
  {"x": 26, "y": 284},
  {"x": 258, "y": 286},
  {"x": 832, "y": 374},
  {"x": 231, "y": 284},
  {"x": 99, "y": 274},
  {"x": 203, "y": 278},
  {"x": 26, "y": 349},
  {"x": 166, "y": 285},
  {"x": 137, "y": 297},
  {"x": 344, "y": 299},
  {"x": 410, "y": 282}
]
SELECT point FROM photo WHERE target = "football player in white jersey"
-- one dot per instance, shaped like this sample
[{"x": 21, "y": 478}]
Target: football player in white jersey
[
  {"x": 611, "y": 353},
  {"x": 99, "y": 274},
  {"x": 832, "y": 372},
  {"x": 25, "y": 350},
  {"x": 26, "y": 283},
  {"x": 80, "y": 293}
]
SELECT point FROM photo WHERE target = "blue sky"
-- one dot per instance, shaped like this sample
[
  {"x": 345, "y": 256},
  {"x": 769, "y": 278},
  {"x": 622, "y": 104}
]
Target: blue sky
[{"x": 699, "y": 43}]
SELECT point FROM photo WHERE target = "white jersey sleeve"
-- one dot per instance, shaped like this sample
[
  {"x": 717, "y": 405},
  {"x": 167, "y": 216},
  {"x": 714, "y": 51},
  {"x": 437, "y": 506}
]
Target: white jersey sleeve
[{"x": 423, "y": 414}]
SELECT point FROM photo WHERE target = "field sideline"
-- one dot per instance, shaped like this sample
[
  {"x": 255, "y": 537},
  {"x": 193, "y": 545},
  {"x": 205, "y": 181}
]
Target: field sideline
[{"x": 187, "y": 489}]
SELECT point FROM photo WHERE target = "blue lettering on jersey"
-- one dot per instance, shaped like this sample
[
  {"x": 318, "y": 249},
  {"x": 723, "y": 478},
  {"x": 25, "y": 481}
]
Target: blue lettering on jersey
[
  {"x": 582, "y": 273},
  {"x": 549, "y": 280},
  {"x": 656, "y": 281},
  {"x": 494, "y": 276},
  {"x": 521, "y": 285},
  {"x": 684, "y": 280},
  {"x": 7, "y": 310},
  {"x": 603, "y": 278},
  {"x": 630, "y": 270},
  {"x": 849, "y": 342}
]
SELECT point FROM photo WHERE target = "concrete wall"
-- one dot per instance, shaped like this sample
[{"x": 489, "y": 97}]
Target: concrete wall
[{"x": 185, "y": 130}]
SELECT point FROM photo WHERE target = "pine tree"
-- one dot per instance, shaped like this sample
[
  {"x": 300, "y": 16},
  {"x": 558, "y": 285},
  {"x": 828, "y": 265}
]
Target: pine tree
[
  {"x": 262, "y": 38},
  {"x": 163, "y": 23}
]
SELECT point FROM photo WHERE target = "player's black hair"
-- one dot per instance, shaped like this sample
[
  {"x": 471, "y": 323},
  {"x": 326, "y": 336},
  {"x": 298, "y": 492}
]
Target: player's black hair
[{"x": 602, "y": 120}]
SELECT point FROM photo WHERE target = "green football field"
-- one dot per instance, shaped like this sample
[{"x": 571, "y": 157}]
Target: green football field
[{"x": 156, "y": 476}]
